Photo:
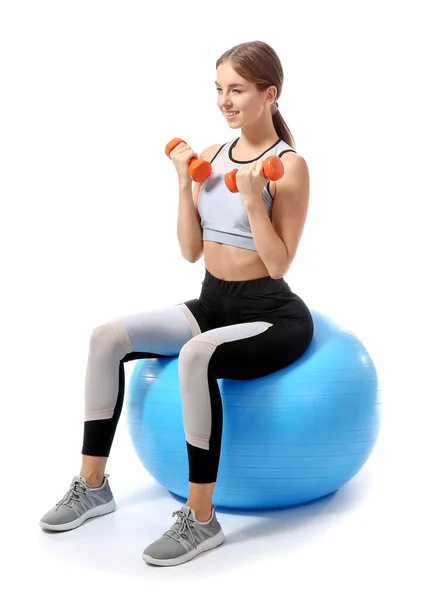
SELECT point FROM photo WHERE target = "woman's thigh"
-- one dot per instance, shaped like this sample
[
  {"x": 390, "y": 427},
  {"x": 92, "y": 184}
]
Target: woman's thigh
[
  {"x": 161, "y": 331},
  {"x": 253, "y": 349}
]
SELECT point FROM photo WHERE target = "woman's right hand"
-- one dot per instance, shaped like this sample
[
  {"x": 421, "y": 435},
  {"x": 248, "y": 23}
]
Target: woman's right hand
[{"x": 180, "y": 157}]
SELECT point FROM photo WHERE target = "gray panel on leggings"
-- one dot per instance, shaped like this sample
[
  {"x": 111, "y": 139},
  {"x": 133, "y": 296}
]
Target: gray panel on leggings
[
  {"x": 161, "y": 331},
  {"x": 192, "y": 367}
]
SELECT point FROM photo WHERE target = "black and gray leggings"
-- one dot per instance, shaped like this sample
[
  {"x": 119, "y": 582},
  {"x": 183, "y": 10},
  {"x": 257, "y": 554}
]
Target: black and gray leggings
[{"x": 234, "y": 330}]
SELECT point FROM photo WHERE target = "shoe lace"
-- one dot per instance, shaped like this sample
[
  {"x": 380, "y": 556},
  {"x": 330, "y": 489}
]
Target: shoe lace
[
  {"x": 73, "y": 493},
  {"x": 182, "y": 527}
]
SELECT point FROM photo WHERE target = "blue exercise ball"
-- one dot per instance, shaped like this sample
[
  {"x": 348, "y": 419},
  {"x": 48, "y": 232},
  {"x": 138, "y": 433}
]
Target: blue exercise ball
[{"x": 288, "y": 438}]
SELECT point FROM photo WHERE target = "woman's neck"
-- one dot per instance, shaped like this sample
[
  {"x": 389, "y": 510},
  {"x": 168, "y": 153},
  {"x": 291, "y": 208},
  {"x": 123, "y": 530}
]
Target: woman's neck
[{"x": 258, "y": 136}]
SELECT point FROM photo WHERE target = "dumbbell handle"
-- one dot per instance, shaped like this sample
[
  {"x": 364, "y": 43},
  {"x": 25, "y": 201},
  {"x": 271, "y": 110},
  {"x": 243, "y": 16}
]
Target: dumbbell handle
[
  {"x": 273, "y": 169},
  {"x": 199, "y": 169}
]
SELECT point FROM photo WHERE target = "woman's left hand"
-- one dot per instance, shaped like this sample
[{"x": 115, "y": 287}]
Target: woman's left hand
[{"x": 250, "y": 179}]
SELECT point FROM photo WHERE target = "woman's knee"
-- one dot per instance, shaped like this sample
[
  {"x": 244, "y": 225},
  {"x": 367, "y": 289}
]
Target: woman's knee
[
  {"x": 190, "y": 354},
  {"x": 110, "y": 337},
  {"x": 193, "y": 360}
]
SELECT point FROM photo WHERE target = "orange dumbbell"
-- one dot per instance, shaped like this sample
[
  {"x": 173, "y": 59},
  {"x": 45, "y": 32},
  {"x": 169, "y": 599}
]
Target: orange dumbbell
[
  {"x": 272, "y": 167},
  {"x": 199, "y": 169}
]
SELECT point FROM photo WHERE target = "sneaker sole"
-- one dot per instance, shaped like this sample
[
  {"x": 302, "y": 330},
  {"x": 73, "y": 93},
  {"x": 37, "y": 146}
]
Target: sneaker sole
[
  {"x": 97, "y": 511},
  {"x": 208, "y": 544}
]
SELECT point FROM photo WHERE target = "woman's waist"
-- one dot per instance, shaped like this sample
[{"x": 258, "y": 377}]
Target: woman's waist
[
  {"x": 259, "y": 287},
  {"x": 233, "y": 263}
]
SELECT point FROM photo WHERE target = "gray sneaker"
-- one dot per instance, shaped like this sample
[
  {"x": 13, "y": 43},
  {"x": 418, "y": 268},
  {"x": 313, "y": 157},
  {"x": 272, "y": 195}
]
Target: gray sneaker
[
  {"x": 79, "y": 504},
  {"x": 185, "y": 539}
]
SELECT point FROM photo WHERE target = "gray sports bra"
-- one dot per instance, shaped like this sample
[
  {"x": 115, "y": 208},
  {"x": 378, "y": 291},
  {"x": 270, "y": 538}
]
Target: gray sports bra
[{"x": 223, "y": 215}]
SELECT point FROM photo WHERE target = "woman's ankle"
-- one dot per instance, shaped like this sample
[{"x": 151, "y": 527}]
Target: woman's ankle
[
  {"x": 93, "y": 480},
  {"x": 93, "y": 469}
]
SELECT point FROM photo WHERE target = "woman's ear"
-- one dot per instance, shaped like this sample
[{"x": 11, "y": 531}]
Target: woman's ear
[{"x": 272, "y": 93}]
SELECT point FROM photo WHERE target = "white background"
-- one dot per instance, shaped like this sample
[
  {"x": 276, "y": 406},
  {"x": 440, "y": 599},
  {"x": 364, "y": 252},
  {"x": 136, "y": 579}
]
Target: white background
[{"x": 90, "y": 94}]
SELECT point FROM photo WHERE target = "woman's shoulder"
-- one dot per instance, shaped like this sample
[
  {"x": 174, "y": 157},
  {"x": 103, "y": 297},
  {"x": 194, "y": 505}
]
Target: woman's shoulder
[
  {"x": 288, "y": 154},
  {"x": 210, "y": 152},
  {"x": 283, "y": 147}
]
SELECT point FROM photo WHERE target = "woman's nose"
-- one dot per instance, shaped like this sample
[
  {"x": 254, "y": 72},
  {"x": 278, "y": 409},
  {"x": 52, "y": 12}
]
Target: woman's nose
[{"x": 225, "y": 100}]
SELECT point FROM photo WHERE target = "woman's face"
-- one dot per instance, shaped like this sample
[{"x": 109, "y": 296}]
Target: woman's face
[{"x": 239, "y": 96}]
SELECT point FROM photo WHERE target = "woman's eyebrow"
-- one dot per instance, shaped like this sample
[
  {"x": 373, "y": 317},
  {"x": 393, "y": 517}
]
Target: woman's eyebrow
[{"x": 232, "y": 84}]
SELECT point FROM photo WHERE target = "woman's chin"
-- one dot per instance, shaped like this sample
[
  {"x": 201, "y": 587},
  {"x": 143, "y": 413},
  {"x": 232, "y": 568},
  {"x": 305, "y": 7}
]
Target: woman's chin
[{"x": 233, "y": 125}]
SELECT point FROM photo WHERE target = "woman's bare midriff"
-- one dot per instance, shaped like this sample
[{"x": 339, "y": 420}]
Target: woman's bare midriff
[{"x": 230, "y": 263}]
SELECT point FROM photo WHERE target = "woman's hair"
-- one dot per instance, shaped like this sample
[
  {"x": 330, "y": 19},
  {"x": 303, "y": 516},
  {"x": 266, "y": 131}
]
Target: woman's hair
[{"x": 258, "y": 63}]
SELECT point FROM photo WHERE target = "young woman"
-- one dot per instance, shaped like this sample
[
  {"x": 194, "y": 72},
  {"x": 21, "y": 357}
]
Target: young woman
[{"x": 246, "y": 323}]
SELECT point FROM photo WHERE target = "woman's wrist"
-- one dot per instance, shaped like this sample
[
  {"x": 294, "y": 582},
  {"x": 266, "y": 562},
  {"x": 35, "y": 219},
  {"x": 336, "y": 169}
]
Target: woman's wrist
[{"x": 184, "y": 183}]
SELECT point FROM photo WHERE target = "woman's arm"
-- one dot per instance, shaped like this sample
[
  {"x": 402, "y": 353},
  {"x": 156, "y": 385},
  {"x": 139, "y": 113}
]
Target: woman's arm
[
  {"x": 189, "y": 231},
  {"x": 277, "y": 239}
]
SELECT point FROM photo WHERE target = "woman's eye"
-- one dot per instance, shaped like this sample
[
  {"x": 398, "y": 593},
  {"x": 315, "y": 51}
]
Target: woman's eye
[{"x": 219, "y": 89}]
